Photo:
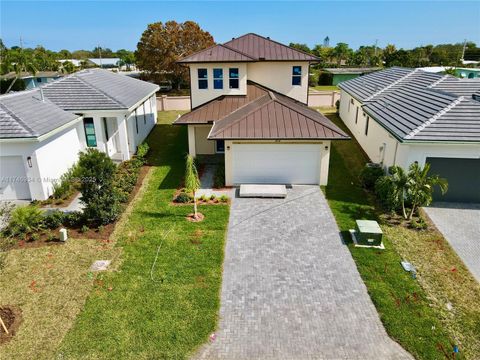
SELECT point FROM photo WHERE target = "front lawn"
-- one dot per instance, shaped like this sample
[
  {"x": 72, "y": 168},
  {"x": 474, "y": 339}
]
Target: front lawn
[
  {"x": 170, "y": 311},
  {"x": 413, "y": 312},
  {"x": 325, "y": 88}
]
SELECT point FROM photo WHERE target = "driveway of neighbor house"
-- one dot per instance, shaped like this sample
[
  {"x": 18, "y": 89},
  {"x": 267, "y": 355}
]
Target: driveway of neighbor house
[
  {"x": 460, "y": 225},
  {"x": 291, "y": 289}
]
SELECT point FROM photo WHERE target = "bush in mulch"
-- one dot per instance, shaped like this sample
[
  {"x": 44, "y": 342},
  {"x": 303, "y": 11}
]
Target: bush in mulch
[{"x": 12, "y": 318}]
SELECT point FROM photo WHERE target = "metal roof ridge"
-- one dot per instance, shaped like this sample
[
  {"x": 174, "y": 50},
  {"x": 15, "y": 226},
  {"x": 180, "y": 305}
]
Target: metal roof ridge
[
  {"x": 433, "y": 118},
  {"x": 396, "y": 82},
  {"x": 19, "y": 120},
  {"x": 238, "y": 51}
]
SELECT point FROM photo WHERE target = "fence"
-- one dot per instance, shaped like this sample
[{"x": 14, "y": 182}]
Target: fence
[{"x": 315, "y": 99}]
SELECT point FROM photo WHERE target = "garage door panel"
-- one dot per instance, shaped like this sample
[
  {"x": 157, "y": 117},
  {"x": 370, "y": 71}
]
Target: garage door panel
[
  {"x": 13, "y": 180},
  {"x": 463, "y": 176},
  {"x": 276, "y": 163}
]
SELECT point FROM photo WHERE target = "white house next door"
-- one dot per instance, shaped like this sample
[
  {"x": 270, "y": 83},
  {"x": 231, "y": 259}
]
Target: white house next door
[
  {"x": 13, "y": 180},
  {"x": 276, "y": 163}
]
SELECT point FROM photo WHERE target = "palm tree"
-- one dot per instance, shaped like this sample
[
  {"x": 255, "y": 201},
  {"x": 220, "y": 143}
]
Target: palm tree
[
  {"x": 192, "y": 182},
  {"x": 22, "y": 64},
  {"x": 399, "y": 180},
  {"x": 420, "y": 186}
]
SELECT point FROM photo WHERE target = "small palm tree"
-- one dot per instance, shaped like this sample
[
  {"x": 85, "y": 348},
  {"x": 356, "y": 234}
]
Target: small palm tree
[
  {"x": 192, "y": 182},
  {"x": 23, "y": 64},
  {"x": 420, "y": 186},
  {"x": 399, "y": 180}
]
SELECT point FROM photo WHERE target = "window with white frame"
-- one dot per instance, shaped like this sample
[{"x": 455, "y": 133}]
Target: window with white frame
[
  {"x": 297, "y": 75},
  {"x": 202, "y": 79},
  {"x": 233, "y": 78},
  {"x": 218, "y": 79}
]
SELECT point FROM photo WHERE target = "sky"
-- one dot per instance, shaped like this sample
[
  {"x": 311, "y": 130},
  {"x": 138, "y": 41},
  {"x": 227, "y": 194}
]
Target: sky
[{"x": 76, "y": 25}]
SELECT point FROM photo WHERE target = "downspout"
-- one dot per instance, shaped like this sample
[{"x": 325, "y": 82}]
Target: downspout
[{"x": 395, "y": 155}]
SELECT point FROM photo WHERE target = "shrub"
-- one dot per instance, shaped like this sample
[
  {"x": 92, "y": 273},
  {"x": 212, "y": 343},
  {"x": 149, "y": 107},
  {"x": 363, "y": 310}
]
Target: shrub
[
  {"x": 370, "y": 174},
  {"x": 51, "y": 237},
  {"x": 65, "y": 186},
  {"x": 337, "y": 106},
  {"x": 72, "y": 219},
  {"x": 183, "y": 198},
  {"x": 385, "y": 192},
  {"x": 223, "y": 198},
  {"x": 84, "y": 229},
  {"x": 219, "y": 177},
  {"x": 96, "y": 171},
  {"x": 35, "y": 237},
  {"x": 203, "y": 198},
  {"x": 419, "y": 224},
  {"x": 53, "y": 219},
  {"x": 325, "y": 78},
  {"x": 101, "y": 228},
  {"x": 142, "y": 151},
  {"x": 25, "y": 220}
]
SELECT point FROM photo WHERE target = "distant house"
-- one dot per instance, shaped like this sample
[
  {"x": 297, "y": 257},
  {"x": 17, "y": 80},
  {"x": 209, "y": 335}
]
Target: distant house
[
  {"x": 32, "y": 81},
  {"x": 400, "y": 116},
  {"x": 42, "y": 130},
  {"x": 249, "y": 99},
  {"x": 106, "y": 63},
  {"x": 343, "y": 74},
  {"x": 75, "y": 62},
  {"x": 469, "y": 73}
]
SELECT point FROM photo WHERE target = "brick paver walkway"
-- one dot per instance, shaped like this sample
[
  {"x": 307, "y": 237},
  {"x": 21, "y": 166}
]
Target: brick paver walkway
[
  {"x": 291, "y": 289},
  {"x": 460, "y": 224}
]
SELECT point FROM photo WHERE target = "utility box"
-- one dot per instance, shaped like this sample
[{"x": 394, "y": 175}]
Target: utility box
[{"x": 368, "y": 233}]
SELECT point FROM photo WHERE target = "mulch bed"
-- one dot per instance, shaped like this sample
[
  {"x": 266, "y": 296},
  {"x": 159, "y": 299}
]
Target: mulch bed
[
  {"x": 45, "y": 238},
  {"x": 191, "y": 217},
  {"x": 12, "y": 318},
  {"x": 55, "y": 204}
]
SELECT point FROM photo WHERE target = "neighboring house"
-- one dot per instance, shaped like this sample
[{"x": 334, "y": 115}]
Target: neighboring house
[
  {"x": 344, "y": 74},
  {"x": 469, "y": 73},
  {"x": 249, "y": 99},
  {"x": 400, "y": 116},
  {"x": 107, "y": 63},
  {"x": 75, "y": 62},
  {"x": 32, "y": 81},
  {"x": 42, "y": 130}
]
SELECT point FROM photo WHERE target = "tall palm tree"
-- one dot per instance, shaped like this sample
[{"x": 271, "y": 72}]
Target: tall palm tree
[{"x": 20, "y": 65}]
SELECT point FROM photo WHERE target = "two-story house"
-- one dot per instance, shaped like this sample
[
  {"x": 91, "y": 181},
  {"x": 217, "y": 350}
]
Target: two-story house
[{"x": 249, "y": 99}]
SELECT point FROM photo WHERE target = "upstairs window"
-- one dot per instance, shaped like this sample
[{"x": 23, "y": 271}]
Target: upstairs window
[
  {"x": 297, "y": 75},
  {"x": 233, "y": 78},
  {"x": 218, "y": 78},
  {"x": 202, "y": 78},
  {"x": 90, "y": 132}
]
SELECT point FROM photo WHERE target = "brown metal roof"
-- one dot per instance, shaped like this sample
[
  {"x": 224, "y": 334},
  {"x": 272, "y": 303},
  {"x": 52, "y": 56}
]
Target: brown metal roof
[
  {"x": 220, "y": 107},
  {"x": 249, "y": 47},
  {"x": 262, "y": 114},
  {"x": 216, "y": 53}
]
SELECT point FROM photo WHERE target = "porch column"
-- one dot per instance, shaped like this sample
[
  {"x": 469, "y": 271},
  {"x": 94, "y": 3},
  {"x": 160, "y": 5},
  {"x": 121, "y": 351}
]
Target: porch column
[
  {"x": 191, "y": 140},
  {"x": 228, "y": 163},
  {"x": 324, "y": 162},
  {"x": 123, "y": 137}
]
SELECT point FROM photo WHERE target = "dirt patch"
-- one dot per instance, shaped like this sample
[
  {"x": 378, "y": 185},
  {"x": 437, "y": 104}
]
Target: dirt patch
[
  {"x": 12, "y": 318},
  {"x": 199, "y": 217}
]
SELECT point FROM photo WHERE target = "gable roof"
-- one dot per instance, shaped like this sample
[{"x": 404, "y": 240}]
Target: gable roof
[
  {"x": 25, "y": 115},
  {"x": 420, "y": 105},
  {"x": 262, "y": 114},
  {"x": 97, "y": 89},
  {"x": 247, "y": 48}
]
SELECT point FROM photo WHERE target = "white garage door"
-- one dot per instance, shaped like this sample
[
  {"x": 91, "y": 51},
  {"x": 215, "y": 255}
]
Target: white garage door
[
  {"x": 276, "y": 163},
  {"x": 13, "y": 184}
]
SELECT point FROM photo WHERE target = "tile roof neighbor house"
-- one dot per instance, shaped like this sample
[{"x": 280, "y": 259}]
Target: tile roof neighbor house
[
  {"x": 42, "y": 130},
  {"x": 249, "y": 100},
  {"x": 402, "y": 115},
  {"x": 34, "y": 80}
]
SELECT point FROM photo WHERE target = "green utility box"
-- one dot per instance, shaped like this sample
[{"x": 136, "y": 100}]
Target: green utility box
[{"x": 368, "y": 233}]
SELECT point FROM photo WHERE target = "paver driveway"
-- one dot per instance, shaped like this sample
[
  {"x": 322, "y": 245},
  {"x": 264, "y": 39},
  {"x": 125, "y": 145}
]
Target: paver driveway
[
  {"x": 291, "y": 289},
  {"x": 460, "y": 225}
]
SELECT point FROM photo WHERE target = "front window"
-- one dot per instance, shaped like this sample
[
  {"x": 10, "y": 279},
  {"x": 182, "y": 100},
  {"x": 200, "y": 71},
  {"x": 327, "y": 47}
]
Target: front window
[
  {"x": 90, "y": 132},
  {"x": 297, "y": 75},
  {"x": 233, "y": 78},
  {"x": 202, "y": 79},
  {"x": 220, "y": 146},
  {"x": 218, "y": 78}
]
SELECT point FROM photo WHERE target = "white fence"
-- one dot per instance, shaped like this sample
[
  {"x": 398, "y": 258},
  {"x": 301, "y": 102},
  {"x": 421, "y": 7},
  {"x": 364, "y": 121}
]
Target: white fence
[{"x": 315, "y": 99}]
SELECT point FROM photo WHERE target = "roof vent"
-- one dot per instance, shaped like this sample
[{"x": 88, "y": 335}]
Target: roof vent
[
  {"x": 233, "y": 38},
  {"x": 268, "y": 37}
]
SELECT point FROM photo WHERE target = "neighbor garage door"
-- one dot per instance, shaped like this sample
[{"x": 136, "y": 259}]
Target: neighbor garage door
[
  {"x": 276, "y": 163},
  {"x": 13, "y": 184},
  {"x": 463, "y": 176}
]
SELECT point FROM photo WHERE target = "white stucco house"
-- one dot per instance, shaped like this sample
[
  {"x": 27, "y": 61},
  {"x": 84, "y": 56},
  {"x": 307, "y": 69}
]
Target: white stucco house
[
  {"x": 400, "y": 116},
  {"x": 249, "y": 99},
  {"x": 43, "y": 130}
]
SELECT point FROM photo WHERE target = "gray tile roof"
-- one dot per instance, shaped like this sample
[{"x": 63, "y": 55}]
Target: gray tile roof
[
  {"x": 25, "y": 115},
  {"x": 96, "y": 89},
  {"x": 424, "y": 106}
]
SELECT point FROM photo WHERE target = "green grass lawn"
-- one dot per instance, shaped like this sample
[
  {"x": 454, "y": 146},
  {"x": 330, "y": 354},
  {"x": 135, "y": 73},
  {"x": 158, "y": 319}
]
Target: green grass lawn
[
  {"x": 404, "y": 308},
  {"x": 325, "y": 87},
  {"x": 128, "y": 315}
]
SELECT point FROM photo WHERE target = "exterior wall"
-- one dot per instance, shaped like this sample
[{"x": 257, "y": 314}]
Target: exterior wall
[
  {"x": 50, "y": 158},
  {"x": 323, "y": 98},
  {"x": 201, "y": 96},
  {"x": 338, "y": 78},
  {"x": 198, "y": 143},
  {"x": 467, "y": 73},
  {"x": 145, "y": 115},
  {"x": 278, "y": 76},
  {"x": 324, "y": 157},
  {"x": 165, "y": 103}
]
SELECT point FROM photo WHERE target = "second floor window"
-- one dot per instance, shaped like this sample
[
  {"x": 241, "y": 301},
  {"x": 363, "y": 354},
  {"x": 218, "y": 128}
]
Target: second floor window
[
  {"x": 218, "y": 78},
  {"x": 233, "y": 78},
  {"x": 297, "y": 75},
  {"x": 202, "y": 78}
]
